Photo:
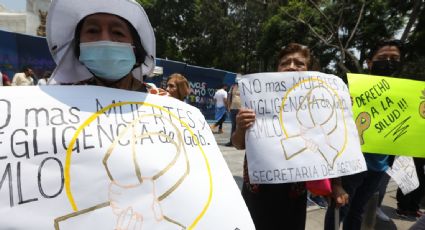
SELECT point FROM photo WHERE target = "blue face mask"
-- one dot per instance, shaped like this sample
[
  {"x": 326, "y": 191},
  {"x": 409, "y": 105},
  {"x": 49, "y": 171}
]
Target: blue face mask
[{"x": 108, "y": 60}]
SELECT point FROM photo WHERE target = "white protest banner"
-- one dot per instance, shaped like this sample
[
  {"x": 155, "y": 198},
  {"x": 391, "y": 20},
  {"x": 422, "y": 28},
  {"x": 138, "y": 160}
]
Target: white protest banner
[
  {"x": 404, "y": 174},
  {"x": 88, "y": 157},
  {"x": 304, "y": 128}
]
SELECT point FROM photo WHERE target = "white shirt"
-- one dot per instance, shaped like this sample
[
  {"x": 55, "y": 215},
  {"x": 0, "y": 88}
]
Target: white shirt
[
  {"x": 1, "y": 79},
  {"x": 220, "y": 96},
  {"x": 20, "y": 79},
  {"x": 42, "y": 81}
]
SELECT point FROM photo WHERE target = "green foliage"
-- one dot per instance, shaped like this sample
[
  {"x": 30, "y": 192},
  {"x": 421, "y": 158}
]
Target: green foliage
[
  {"x": 330, "y": 29},
  {"x": 245, "y": 36},
  {"x": 415, "y": 49},
  {"x": 281, "y": 30}
]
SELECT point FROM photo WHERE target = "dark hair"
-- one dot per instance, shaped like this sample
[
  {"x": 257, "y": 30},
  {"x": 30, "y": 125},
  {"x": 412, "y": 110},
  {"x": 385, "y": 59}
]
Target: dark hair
[
  {"x": 183, "y": 88},
  {"x": 295, "y": 48},
  {"x": 385, "y": 42},
  {"x": 47, "y": 74},
  {"x": 140, "y": 51},
  {"x": 26, "y": 68}
]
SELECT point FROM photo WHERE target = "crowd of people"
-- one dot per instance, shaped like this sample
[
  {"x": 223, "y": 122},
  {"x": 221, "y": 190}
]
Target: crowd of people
[
  {"x": 114, "y": 48},
  {"x": 24, "y": 78}
]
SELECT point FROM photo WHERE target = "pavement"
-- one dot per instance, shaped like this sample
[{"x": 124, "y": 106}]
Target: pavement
[{"x": 315, "y": 215}]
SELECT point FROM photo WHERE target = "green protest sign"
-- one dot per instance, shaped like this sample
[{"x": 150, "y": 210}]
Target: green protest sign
[{"x": 389, "y": 114}]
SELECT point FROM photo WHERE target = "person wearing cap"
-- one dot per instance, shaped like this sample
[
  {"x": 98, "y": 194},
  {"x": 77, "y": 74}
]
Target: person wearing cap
[
  {"x": 96, "y": 43},
  {"x": 111, "y": 44}
]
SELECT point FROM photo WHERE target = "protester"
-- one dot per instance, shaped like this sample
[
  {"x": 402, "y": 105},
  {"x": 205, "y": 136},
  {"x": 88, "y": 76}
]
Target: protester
[
  {"x": 384, "y": 60},
  {"x": 25, "y": 78},
  {"x": 43, "y": 80},
  {"x": 220, "y": 99},
  {"x": 274, "y": 206},
  {"x": 4, "y": 81},
  {"x": 178, "y": 86},
  {"x": 103, "y": 43},
  {"x": 112, "y": 44},
  {"x": 233, "y": 105}
]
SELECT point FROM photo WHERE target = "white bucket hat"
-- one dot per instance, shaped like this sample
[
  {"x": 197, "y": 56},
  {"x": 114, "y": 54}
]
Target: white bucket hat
[{"x": 62, "y": 20}]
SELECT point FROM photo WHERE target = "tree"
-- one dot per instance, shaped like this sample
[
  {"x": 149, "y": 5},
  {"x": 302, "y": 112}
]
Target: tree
[
  {"x": 171, "y": 21},
  {"x": 415, "y": 48},
  {"x": 345, "y": 30},
  {"x": 245, "y": 36}
]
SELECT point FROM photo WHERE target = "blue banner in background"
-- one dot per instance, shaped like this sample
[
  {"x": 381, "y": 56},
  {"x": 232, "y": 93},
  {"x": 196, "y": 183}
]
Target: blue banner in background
[
  {"x": 8, "y": 53},
  {"x": 19, "y": 50},
  {"x": 203, "y": 82}
]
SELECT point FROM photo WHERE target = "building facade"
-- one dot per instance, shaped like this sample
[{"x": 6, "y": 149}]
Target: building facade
[{"x": 32, "y": 21}]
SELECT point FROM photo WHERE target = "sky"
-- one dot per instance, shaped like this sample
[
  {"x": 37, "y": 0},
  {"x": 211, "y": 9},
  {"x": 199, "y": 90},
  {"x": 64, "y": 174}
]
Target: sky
[{"x": 15, "y": 5}]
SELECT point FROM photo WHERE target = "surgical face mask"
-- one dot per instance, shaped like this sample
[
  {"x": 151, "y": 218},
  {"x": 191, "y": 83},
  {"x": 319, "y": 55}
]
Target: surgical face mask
[
  {"x": 108, "y": 60},
  {"x": 385, "y": 67}
]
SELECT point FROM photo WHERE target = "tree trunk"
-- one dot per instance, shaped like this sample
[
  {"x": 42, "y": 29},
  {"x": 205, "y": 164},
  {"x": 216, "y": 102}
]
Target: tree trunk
[{"x": 412, "y": 19}]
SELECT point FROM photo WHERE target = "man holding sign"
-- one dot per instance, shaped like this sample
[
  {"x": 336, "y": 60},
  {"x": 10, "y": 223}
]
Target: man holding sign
[
  {"x": 390, "y": 115},
  {"x": 384, "y": 59}
]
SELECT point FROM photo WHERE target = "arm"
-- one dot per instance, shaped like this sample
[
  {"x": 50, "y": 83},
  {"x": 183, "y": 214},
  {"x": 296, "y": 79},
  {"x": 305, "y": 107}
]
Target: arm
[
  {"x": 339, "y": 195},
  {"x": 244, "y": 119}
]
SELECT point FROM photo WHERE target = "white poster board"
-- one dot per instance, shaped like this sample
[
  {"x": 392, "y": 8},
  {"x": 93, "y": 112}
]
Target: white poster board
[
  {"x": 87, "y": 157},
  {"x": 404, "y": 174},
  {"x": 304, "y": 128}
]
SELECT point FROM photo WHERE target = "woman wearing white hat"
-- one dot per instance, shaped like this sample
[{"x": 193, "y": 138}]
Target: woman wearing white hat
[
  {"x": 112, "y": 44},
  {"x": 107, "y": 43}
]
